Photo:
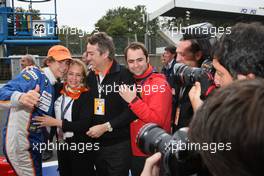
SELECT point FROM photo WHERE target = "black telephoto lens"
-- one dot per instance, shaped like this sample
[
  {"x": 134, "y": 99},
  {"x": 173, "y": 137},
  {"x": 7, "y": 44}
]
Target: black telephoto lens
[
  {"x": 186, "y": 75},
  {"x": 177, "y": 159},
  {"x": 151, "y": 139}
]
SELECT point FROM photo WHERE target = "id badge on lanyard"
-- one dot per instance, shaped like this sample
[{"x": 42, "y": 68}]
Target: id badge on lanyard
[
  {"x": 99, "y": 103},
  {"x": 99, "y": 106}
]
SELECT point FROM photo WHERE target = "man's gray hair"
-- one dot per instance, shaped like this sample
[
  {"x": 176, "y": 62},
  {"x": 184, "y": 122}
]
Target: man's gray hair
[{"x": 30, "y": 58}]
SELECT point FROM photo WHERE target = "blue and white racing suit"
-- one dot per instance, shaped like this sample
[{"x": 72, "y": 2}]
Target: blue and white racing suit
[{"x": 22, "y": 138}]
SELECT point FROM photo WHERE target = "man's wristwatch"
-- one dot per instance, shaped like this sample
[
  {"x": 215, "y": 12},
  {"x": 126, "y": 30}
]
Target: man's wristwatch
[{"x": 109, "y": 127}]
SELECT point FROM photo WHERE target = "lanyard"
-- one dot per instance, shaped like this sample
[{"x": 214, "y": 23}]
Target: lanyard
[
  {"x": 63, "y": 111},
  {"x": 99, "y": 85}
]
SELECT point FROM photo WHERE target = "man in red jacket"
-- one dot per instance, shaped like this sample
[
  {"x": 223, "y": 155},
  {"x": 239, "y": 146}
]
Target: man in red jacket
[{"x": 150, "y": 99}]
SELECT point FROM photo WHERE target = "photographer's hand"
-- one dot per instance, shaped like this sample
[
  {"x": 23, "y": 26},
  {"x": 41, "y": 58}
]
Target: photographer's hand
[
  {"x": 151, "y": 167},
  {"x": 194, "y": 95}
]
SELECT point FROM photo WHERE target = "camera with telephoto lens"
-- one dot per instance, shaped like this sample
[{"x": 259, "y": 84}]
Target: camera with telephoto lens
[
  {"x": 202, "y": 35},
  {"x": 185, "y": 75},
  {"x": 177, "y": 159}
]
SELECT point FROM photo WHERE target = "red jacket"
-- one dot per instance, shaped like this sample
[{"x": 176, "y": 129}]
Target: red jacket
[{"x": 154, "y": 105}]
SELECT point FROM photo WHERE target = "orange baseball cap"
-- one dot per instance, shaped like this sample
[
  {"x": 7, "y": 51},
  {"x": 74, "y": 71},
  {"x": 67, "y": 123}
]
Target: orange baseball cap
[{"x": 59, "y": 53}]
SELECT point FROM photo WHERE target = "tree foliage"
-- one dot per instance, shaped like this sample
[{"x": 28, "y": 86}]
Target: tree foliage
[
  {"x": 126, "y": 25},
  {"x": 73, "y": 38}
]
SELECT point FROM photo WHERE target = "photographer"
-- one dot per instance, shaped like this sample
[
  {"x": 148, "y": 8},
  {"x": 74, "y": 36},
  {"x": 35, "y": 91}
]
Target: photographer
[
  {"x": 239, "y": 55},
  {"x": 192, "y": 50},
  {"x": 236, "y": 111}
]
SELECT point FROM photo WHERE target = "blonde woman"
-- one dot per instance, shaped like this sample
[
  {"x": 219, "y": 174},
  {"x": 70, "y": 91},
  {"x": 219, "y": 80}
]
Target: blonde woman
[{"x": 73, "y": 111}]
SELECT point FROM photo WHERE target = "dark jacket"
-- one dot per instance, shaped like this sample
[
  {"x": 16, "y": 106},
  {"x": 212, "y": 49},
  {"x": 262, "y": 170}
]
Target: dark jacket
[
  {"x": 116, "y": 109},
  {"x": 81, "y": 159},
  {"x": 169, "y": 73},
  {"x": 186, "y": 111},
  {"x": 82, "y": 111}
]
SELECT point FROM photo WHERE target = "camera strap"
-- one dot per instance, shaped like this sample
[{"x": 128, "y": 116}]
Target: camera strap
[
  {"x": 182, "y": 90},
  {"x": 178, "y": 109}
]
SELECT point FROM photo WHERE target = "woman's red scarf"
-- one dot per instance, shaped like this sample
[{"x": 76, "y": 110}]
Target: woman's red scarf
[{"x": 74, "y": 93}]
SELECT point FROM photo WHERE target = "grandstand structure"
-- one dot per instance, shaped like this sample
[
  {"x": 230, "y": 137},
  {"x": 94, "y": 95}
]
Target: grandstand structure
[
  {"x": 207, "y": 10},
  {"x": 238, "y": 10}
]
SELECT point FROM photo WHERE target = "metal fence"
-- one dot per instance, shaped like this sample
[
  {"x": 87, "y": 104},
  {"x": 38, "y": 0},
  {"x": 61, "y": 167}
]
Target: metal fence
[{"x": 10, "y": 67}]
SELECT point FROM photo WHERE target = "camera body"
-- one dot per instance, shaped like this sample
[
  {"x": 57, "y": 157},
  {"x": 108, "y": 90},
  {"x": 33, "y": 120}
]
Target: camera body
[
  {"x": 185, "y": 75},
  {"x": 176, "y": 159}
]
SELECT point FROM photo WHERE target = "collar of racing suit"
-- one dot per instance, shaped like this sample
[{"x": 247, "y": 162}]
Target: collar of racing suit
[{"x": 49, "y": 75}]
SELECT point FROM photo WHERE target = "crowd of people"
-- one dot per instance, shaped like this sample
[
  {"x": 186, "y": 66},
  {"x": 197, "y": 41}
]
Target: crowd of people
[
  {"x": 99, "y": 105},
  {"x": 233, "y": 113}
]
